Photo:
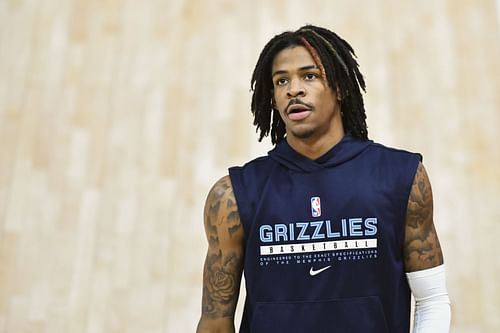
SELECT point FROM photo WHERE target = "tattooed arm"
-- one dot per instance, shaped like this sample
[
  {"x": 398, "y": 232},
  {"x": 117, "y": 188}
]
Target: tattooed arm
[
  {"x": 424, "y": 260},
  {"x": 421, "y": 249},
  {"x": 224, "y": 261}
]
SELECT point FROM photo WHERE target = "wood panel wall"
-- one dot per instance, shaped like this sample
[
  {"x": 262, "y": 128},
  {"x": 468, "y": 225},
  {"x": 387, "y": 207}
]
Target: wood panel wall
[{"x": 116, "y": 117}]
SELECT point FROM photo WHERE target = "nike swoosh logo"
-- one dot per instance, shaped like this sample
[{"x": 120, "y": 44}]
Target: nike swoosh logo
[{"x": 312, "y": 272}]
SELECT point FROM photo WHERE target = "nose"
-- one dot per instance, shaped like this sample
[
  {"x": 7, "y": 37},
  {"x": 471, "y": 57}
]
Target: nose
[{"x": 296, "y": 89}]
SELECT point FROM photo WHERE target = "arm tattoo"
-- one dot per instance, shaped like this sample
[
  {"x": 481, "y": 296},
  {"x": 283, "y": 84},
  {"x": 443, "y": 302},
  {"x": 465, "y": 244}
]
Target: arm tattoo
[
  {"x": 421, "y": 249},
  {"x": 221, "y": 285},
  {"x": 224, "y": 261}
]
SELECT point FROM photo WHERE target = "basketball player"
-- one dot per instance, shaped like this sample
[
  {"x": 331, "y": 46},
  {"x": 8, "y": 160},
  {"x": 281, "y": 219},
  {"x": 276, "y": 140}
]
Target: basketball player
[{"x": 332, "y": 230}]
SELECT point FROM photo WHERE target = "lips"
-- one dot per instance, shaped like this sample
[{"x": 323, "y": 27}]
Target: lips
[{"x": 298, "y": 111}]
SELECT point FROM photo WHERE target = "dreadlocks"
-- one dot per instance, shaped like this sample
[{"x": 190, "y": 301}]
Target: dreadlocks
[{"x": 336, "y": 60}]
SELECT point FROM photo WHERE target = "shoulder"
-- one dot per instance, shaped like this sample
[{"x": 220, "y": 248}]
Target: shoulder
[
  {"x": 382, "y": 149},
  {"x": 221, "y": 191},
  {"x": 256, "y": 163},
  {"x": 421, "y": 191},
  {"x": 248, "y": 177},
  {"x": 248, "y": 182},
  {"x": 222, "y": 219},
  {"x": 220, "y": 188},
  {"x": 396, "y": 160},
  {"x": 420, "y": 201}
]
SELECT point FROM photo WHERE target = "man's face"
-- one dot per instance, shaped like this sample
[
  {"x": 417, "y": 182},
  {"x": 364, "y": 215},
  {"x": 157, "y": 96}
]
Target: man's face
[{"x": 307, "y": 105}]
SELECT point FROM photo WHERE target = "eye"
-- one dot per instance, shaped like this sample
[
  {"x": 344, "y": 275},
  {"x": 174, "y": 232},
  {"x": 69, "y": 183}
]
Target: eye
[
  {"x": 310, "y": 76},
  {"x": 281, "y": 82}
]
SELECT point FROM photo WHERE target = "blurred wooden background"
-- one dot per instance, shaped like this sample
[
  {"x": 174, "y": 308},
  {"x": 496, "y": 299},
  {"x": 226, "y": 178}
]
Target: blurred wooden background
[{"x": 116, "y": 116}]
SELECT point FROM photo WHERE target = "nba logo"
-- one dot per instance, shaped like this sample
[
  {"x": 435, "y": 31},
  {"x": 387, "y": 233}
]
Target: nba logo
[{"x": 315, "y": 207}]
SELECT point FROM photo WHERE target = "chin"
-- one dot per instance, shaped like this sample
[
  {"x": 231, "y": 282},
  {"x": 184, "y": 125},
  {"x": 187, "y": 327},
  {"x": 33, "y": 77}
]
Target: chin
[{"x": 304, "y": 133}]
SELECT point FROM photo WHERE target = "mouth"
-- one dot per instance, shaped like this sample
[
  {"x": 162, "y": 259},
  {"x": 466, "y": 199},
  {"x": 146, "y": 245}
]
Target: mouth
[{"x": 298, "y": 111}]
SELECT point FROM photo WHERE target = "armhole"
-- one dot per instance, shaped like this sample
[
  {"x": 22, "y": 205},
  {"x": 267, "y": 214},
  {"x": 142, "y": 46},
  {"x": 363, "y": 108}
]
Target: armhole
[
  {"x": 236, "y": 176},
  {"x": 414, "y": 162},
  {"x": 409, "y": 176}
]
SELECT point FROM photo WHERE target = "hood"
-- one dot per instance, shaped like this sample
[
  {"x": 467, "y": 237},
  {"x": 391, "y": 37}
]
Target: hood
[{"x": 345, "y": 150}]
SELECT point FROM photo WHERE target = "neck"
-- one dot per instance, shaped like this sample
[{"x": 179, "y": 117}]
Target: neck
[{"x": 314, "y": 148}]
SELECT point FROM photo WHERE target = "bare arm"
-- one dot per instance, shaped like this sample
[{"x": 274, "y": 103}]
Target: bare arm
[
  {"x": 421, "y": 249},
  {"x": 224, "y": 260},
  {"x": 424, "y": 260}
]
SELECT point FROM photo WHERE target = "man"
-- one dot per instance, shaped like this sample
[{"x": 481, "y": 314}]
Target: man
[{"x": 332, "y": 230}]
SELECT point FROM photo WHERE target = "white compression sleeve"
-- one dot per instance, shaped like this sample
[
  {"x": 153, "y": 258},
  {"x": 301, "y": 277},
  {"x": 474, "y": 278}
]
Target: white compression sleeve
[{"x": 432, "y": 307}]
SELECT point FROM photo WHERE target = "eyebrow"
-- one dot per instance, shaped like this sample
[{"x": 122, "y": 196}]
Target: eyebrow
[{"x": 304, "y": 68}]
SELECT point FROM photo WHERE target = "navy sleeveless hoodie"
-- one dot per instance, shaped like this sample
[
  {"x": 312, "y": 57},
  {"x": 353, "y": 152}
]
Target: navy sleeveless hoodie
[{"x": 324, "y": 239}]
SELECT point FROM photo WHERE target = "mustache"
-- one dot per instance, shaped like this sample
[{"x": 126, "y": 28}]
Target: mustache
[{"x": 295, "y": 101}]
